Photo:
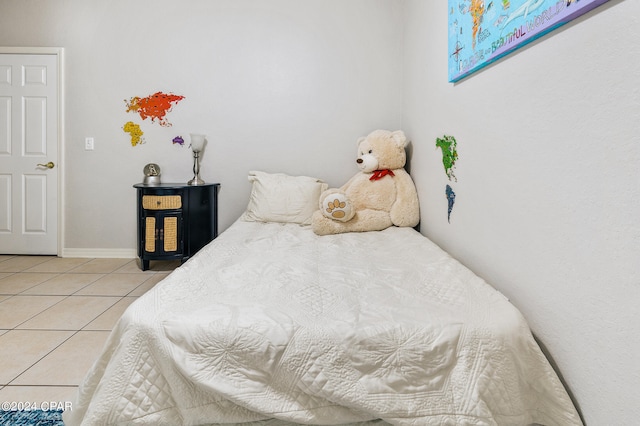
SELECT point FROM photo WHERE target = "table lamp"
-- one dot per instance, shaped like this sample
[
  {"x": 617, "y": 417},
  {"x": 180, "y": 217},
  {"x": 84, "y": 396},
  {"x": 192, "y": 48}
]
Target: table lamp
[{"x": 197, "y": 146}]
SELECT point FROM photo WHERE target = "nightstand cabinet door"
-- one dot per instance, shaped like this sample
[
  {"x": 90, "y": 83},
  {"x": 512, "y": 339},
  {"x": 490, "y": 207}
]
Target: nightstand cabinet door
[
  {"x": 175, "y": 220},
  {"x": 162, "y": 232}
]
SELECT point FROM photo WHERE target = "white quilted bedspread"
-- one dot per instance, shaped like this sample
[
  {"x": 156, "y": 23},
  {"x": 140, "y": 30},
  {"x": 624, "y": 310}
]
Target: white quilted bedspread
[{"x": 271, "y": 324}]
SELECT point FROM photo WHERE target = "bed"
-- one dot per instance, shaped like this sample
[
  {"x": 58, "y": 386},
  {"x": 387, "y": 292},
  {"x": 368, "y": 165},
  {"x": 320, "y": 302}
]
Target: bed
[{"x": 271, "y": 324}]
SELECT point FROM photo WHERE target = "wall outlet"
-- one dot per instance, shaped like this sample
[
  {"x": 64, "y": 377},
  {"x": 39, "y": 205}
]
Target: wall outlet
[{"x": 88, "y": 144}]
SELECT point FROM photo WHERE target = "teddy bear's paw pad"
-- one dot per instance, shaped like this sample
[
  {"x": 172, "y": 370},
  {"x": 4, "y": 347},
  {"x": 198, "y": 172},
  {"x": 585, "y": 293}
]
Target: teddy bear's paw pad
[{"x": 335, "y": 208}]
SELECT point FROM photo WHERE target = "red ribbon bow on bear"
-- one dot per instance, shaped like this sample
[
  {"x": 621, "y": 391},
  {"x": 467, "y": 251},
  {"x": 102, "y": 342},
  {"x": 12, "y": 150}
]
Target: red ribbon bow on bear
[{"x": 379, "y": 174}]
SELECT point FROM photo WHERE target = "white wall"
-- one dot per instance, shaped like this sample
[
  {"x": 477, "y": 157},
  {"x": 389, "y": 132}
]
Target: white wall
[
  {"x": 548, "y": 191},
  {"x": 278, "y": 85}
]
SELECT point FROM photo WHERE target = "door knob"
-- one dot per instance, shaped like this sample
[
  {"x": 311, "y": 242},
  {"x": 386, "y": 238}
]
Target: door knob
[{"x": 49, "y": 165}]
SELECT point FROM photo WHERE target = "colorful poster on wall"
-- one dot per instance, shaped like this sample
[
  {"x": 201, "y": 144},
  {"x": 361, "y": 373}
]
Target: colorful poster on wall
[{"x": 483, "y": 31}]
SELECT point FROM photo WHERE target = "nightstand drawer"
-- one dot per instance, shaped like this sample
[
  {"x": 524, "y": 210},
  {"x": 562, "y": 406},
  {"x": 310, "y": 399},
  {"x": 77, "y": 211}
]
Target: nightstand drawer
[{"x": 161, "y": 202}]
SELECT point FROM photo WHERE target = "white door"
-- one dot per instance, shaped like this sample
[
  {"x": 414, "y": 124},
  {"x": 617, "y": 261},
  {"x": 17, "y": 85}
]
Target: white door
[{"x": 28, "y": 154}]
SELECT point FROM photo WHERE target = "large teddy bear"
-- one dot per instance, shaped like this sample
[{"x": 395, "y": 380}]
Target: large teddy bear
[{"x": 381, "y": 195}]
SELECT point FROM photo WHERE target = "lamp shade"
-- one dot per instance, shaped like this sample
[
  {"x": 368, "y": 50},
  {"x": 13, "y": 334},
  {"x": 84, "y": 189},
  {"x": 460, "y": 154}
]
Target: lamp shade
[{"x": 197, "y": 142}]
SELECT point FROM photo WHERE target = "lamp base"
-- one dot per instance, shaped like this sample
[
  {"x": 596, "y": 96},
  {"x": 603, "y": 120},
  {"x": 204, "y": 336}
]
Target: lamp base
[
  {"x": 196, "y": 170},
  {"x": 196, "y": 181}
]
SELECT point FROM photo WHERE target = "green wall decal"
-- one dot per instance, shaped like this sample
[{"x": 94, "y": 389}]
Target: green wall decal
[{"x": 449, "y": 154}]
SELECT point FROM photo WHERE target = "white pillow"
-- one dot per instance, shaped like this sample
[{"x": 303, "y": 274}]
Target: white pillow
[{"x": 277, "y": 197}]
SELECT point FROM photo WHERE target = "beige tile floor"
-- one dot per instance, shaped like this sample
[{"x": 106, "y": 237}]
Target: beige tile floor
[{"x": 55, "y": 315}]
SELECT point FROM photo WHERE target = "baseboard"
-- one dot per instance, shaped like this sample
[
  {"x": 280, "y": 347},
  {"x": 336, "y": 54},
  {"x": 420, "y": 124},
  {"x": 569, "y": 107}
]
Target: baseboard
[{"x": 100, "y": 253}]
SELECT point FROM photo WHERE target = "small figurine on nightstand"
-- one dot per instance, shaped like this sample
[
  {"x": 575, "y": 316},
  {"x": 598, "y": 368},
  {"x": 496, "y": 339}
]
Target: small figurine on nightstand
[{"x": 151, "y": 174}]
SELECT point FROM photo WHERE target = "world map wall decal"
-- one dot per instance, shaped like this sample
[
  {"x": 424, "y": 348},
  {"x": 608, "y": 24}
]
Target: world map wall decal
[
  {"x": 448, "y": 145},
  {"x": 483, "y": 31},
  {"x": 156, "y": 107}
]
